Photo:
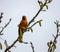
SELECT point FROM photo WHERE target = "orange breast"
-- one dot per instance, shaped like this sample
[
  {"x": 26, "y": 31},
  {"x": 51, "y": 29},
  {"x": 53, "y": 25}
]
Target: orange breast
[{"x": 23, "y": 23}]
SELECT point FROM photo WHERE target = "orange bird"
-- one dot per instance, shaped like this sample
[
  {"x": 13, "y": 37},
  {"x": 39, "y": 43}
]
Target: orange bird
[{"x": 22, "y": 26}]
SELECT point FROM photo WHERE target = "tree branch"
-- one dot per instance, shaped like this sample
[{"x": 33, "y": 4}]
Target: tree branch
[
  {"x": 1, "y": 16},
  {"x": 11, "y": 45},
  {"x": 35, "y": 23},
  {"x": 6, "y": 45},
  {"x": 32, "y": 46},
  {"x": 26, "y": 28},
  {"x": 37, "y": 13},
  {"x": 52, "y": 45},
  {"x": 5, "y": 26},
  {"x": 57, "y": 31}
]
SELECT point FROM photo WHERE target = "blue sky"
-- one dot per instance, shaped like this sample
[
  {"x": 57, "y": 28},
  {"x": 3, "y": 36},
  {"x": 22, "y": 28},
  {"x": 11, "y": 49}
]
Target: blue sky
[{"x": 15, "y": 9}]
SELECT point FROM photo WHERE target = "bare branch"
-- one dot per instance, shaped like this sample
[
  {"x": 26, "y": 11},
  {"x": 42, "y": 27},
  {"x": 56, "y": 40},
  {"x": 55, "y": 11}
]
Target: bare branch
[
  {"x": 37, "y": 13},
  {"x": 57, "y": 31},
  {"x": 6, "y": 45},
  {"x": 11, "y": 45},
  {"x": 1, "y": 16},
  {"x": 34, "y": 24},
  {"x": 52, "y": 46},
  {"x": 32, "y": 46},
  {"x": 5, "y": 26},
  {"x": 2, "y": 39}
]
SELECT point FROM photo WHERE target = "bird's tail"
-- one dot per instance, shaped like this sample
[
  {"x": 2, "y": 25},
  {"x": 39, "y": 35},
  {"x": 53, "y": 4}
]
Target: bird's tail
[{"x": 20, "y": 39}]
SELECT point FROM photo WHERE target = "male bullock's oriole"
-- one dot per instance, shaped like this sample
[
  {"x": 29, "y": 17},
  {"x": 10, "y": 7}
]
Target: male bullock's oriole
[{"x": 21, "y": 28}]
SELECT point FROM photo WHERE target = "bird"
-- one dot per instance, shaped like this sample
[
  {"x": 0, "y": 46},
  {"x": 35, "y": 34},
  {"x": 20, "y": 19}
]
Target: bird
[{"x": 21, "y": 27}]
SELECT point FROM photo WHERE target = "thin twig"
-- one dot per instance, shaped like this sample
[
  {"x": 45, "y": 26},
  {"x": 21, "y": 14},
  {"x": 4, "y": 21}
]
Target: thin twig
[
  {"x": 2, "y": 39},
  {"x": 11, "y": 45},
  {"x": 6, "y": 45},
  {"x": 57, "y": 31},
  {"x": 37, "y": 13},
  {"x": 5, "y": 26},
  {"x": 32, "y": 46},
  {"x": 41, "y": 8},
  {"x": 55, "y": 38},
  {"x": 33, "y": 24},
  {"x": 34, "y": 16}
]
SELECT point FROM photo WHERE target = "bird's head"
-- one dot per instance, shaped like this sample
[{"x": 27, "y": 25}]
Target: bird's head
[{"x": 24, "y": 18}]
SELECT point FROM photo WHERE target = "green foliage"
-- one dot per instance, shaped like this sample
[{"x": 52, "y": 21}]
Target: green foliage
[
  {"x": 54, "y": 45},
  {"x": 0, "y": 46},
  {"x": 46, "y": 6},
  {"x": 40, "y": 23},
  {"x": 51, "y": 45},
  {"x": 41, "y": 3},
  {"x": 30, "y": 29},
  {"x": 48, "y": 44},
  {"x": 58, "y": 25}
]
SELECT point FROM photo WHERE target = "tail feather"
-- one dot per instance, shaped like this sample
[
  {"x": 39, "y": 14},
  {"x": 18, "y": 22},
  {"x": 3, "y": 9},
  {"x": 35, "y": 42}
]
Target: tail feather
[{"x": 20, "y": 36}]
